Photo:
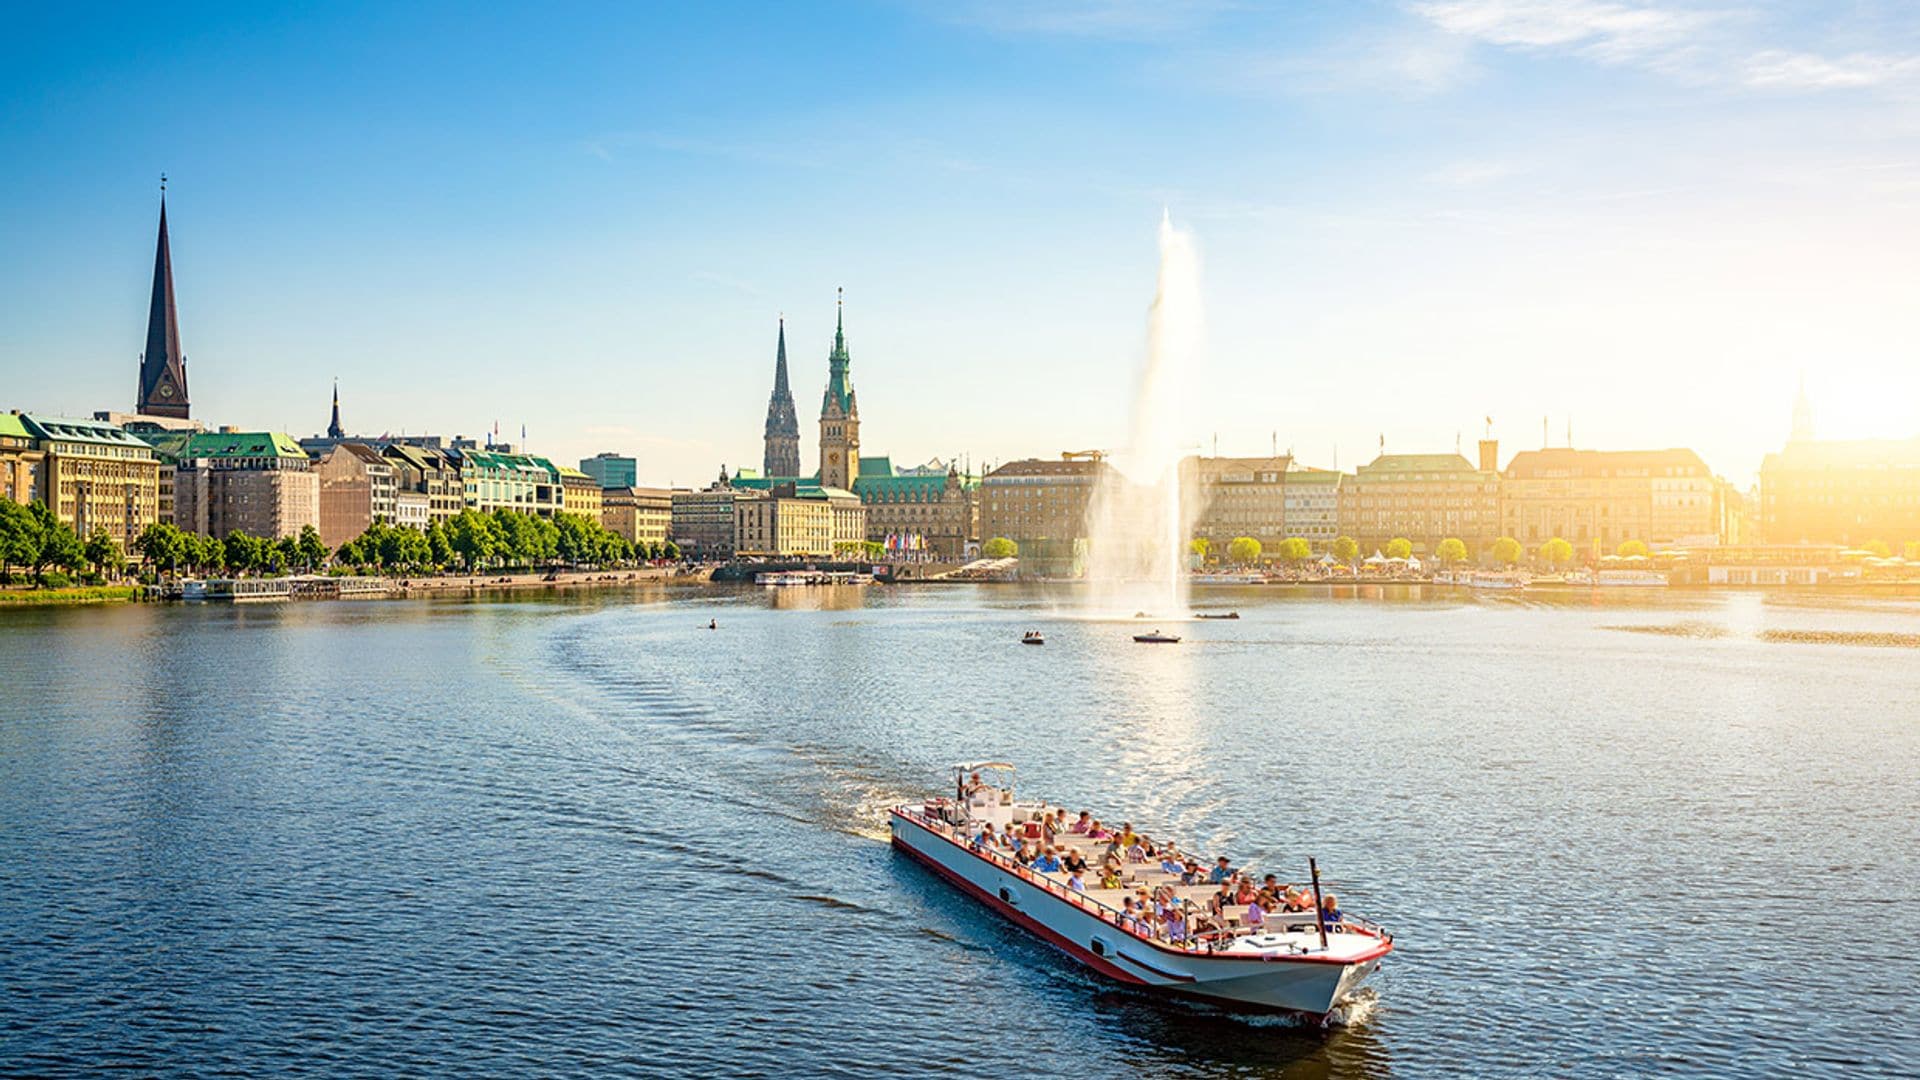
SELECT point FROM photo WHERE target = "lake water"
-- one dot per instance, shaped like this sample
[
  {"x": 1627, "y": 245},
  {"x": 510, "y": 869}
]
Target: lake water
[{"x": 1614, "y": 836}]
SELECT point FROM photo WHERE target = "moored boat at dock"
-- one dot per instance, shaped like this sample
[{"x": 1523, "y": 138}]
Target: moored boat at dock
[{"x": 1302, "y": 962}]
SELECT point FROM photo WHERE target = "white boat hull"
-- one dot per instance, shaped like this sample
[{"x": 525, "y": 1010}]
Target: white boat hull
[{"x": 1310, "y": 982}]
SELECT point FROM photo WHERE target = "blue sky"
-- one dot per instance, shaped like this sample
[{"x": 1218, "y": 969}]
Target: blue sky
[{"x": 1649, "y": 218}]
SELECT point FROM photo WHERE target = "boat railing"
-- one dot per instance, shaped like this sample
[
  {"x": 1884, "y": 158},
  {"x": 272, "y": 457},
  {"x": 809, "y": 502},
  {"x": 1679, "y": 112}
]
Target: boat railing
[{"x": 1202, "y": 941}]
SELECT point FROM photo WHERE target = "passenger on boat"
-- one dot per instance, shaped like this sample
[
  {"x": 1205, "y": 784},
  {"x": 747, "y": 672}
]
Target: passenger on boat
[
  {"x": 1222, "y": 872},
  {"x": 1243, "y": 891},
  {"x": 1127, "y": 836},
  {"x": 1074, "y": 882},
  {"x": 985, "y": 837},
  {"x": 1170, "y": 865},
  {"x": 1136, "y": 853},
  {"x": 1075, "y": 862},
  {"x": 1129, "y": 918},
  {"x": 1110, "y": 877},
  {"x": 1298, "y": 899},
  {"x": 1085, "y": 823},
  {"x": 1176, "y": 925},
  {"x": 1097, "y": 831},
  {"x": 1330, "y": 908},
  {"x": 1192, "y": 874},
  {"x": 1046, "y": 863},
  {"x": 1256, "y": 915}
]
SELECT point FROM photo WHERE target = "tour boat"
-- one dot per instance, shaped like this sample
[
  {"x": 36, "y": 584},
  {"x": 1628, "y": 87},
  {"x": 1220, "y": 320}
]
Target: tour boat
[
  {"x": 1216, "y": 615},
  {"x": 1497, "y": 579},
  {"x": 1229, "y": 579},
  {"x": 1293, "y": 962},
  {"x": 1032, "y": 637},
  {"x": 1157, "y": 638},
  {"x": 1630, "y": 579}
]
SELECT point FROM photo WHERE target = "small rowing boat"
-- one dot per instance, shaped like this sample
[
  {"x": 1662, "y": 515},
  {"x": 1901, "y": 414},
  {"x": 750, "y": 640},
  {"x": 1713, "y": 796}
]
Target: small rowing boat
[
  {"x": 1157, "y": 638},
  {"x": 1032, "y": 637}
]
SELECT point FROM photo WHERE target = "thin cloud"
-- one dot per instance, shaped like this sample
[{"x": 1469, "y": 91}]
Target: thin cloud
[{"x": 1780, "y": 69}]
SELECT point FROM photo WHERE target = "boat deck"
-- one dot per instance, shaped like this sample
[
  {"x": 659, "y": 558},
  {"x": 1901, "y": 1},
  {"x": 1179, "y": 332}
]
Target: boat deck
[{"x": 1281, "y": 931}]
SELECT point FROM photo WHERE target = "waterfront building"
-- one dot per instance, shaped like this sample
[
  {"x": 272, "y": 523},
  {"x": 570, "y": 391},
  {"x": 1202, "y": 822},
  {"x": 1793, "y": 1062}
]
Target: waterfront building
[
  {"x": 1237, "y": 496},
  {"x": 1597, "y": 499},
  {"x": 703, "y": 521},
  {"x": 798, "y": 521},
  {"x": 1312, "y": 505},
  {"x": 163, "y": 366},
  {"x": 1842, "y": 492},
  {"x": 95, "y": 476},
  {"x": 931, "y": 509},
  {"x": 1041, "y": 505},
  {"x": 429, "y": 472},
  {"x": 611, "y": 470},
  {"x": 839, "y": 414},
  {"x": 781, "y": 456},
  {"x": 1422, "y": 497},
  {"x": 579, "y": 493},
  {"x": 21, "y": 460},
  {"x": 412, "y": 510},
  {"x": 257, "y": 482},
  {"x": 494, "y": 480},
  {"x": 358, "y": 487},
  {"x": 645, "y": 515}
]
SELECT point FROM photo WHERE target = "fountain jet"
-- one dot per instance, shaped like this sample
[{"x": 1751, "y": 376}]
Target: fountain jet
[{"x": 1138, "y": 523}]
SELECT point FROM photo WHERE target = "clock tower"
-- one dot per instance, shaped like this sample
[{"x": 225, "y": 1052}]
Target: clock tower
[
  {"x": 163, "y": 368},
  {"x": 839, "y": 413}
]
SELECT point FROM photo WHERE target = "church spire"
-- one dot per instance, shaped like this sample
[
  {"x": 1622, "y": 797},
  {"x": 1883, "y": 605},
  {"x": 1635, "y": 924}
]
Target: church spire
[
  {"x": 334, "y": 430},
  {"x": 839, "y": 396},
  {"x": 1802, "y": 414},
  {"x": 163, "y": 367},
  {"x": 782, "y": 454}
]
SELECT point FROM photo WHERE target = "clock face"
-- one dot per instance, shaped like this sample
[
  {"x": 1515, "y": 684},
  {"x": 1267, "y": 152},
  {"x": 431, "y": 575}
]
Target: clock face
[
  {"x": 833, "y": 457},
  {"x": 166, "y": 389}
]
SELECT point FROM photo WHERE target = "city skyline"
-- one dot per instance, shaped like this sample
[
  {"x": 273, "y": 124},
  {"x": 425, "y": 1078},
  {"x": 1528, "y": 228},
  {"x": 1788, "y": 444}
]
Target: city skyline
[{"x": 1733, "y": 216}]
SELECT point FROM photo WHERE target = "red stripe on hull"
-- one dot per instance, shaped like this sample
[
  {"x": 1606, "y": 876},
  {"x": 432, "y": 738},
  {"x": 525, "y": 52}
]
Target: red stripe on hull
[{"x": 1021, "y": 919}]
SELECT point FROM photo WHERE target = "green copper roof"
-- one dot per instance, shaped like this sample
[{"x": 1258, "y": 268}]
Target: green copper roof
[
  {"x": 839, "y": 382},
  {"x": 1312, "y": 476},
  {"x": 11, "y": 424},
  {"x": 68, "y": 429},
  {"x": 876, "y": 466},
  {"x": 241, "y": 444}
]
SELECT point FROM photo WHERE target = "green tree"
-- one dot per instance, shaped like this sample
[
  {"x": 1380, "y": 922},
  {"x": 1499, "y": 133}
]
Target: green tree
[
  {"x": 244, "y": 552},
  {"x": 206, "y": 553},
  {"x": 1630, "y": 548},
  {"x": 1879, "y": 549},
  {"x": 1200, "y": 545},
  {"x": 1346, "y": 549},
  {"x": 470, "y": 534},
  {"x": 1243, "y": 551},
  {"x": 1556, "y": 553},
  {"x": 577, "y": 540},
  {"x": 58, "y": 545},
  {"x": 20, "y": 532},
  {"x": 1296, "y": 549},
  {"x": 439, "y": 550},
  {"x": 1000, "y": 548},
  {"x": 1507, "y": 551},
  {"x": 1451, "y": 550},
  {"x": 310, "y": 549},
  {"x": 1911, "y": 550},
  {"x": 670, "y": 550},
  {"x": 103, "y": 554},
  {"x": 1399, "y": 548},
  {"x": 162, "y": 545}
]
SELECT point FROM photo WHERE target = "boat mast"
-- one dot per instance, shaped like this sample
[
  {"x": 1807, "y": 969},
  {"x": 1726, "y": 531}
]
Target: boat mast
[{"x": 1319, "y": 908}]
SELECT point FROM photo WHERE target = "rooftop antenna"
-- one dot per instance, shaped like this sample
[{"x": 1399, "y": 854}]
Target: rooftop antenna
[
  {"x": 1275, "y": 452},
  {"x": 1216, "y": 444},
  {"x": 1569, "y": 431},
  {"x": 1456, "y": 442},
  {"x": 1545, "y": 439}
]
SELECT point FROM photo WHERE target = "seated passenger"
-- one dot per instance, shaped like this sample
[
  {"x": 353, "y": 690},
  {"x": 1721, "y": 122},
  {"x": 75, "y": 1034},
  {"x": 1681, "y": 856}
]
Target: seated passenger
[
  {"x": 1243, "y": 891},
  {"x": 1136, "y": 853},
  {"x": 1074, "y": 882},
  {"x": 1127, "y": 835},
  {"x": 1170, "y": 865},
  {"x": 1256, "y": 915},
  {"x": 1046, "y": 863},
  {"x": 1298, "y": 899},
  {"x": 985, "y": 837},
  {"x": 1192, "y": 875},
  {"x": 1110, "y": 877},
  {"x": 1176, "y": 925},
  {"x": 1085, "y": 823},
  {"x": 1097, "y": 831},
  {"x": 1222, "y": 873},
  {"x": 1129, "y": 918},
  {"x": 1074, "y": 862},
  {"x": 1330, "y": 908}
]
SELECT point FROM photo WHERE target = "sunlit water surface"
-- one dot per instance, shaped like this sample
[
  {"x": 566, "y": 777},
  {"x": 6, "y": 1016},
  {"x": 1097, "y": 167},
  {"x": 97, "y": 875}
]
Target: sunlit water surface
[{"x": 1615, "y": 837}]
